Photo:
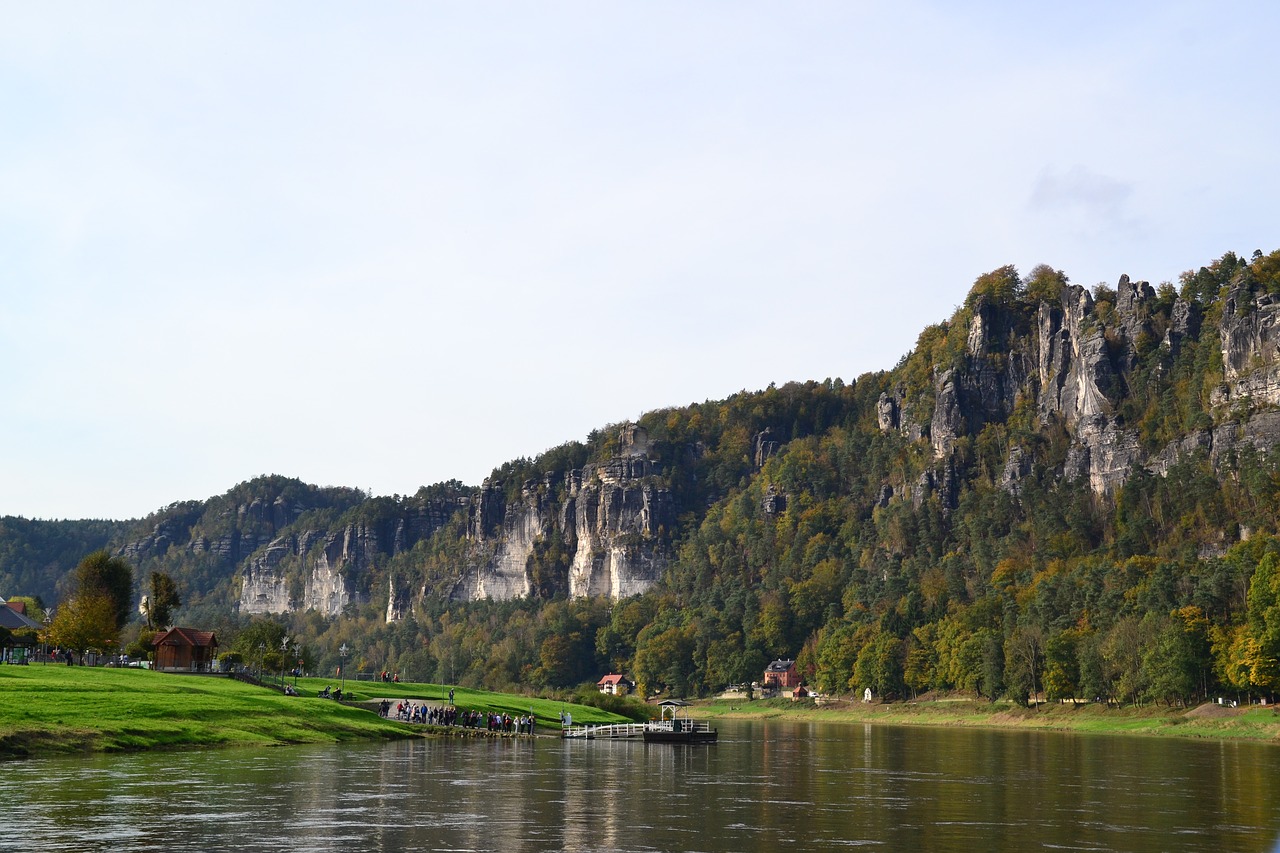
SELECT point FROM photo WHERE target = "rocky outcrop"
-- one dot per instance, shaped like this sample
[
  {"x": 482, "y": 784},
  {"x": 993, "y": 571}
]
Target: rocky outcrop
[
  {"x": 612, "y": 519},
  {"x": 1221, "y": 445},
  {"x": 894, "y": 413},
  {"x": 1250, "y": 335},
  {"x": 308, "y": 571},
  {"x": 766, "y": 445},
  {"x": 505, "y": 536},
  {"x": 1073, "y": 365},
  {"x": 1073, "y": 361},
  {"x": 620, "y": 521}
]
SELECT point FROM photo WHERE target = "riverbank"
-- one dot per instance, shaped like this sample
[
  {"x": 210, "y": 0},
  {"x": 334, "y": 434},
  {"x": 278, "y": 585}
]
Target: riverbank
[
  {"x": 50, "y": 710},
  {"x": 1206, "y": 721}
]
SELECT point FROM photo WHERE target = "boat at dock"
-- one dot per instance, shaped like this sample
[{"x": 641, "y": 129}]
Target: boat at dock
[{"x": 672, "y": 726}]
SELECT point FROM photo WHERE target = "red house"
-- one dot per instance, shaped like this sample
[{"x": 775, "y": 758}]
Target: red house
[
  {"x": 781, "y": 675},
  {"x": 185, "y": 650},
  {"x": 614, "y": 685}
]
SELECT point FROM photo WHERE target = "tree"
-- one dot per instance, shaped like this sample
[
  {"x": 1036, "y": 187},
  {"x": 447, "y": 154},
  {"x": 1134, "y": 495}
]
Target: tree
[
  {"x": 1170, "y": 663},
  {"x": 260, "y": 643},
  {"x": 922, "y": 657},
  {"x": 85, "y": 622},
  {"x": 1001, "y": 286},
  {"x": 1045, "y": 284},
  {"x": 99, "y": 606},
  {"x": 837, "y": 650},
  {"x": 158, "y": 606},
  {"x": 1122, "y": 653},
  {"x": 1093, "y": 680},
  {"x": 1024, "y": 656},
  {"x": 1062, "y": 666},
  {"x": 101, "y": 574},
  {"x": 1264, "y": 623},
  {"x": 879, "y": 665},
  {"x": 1231, "y": 657},
  {"x": 665, "y": 661}
]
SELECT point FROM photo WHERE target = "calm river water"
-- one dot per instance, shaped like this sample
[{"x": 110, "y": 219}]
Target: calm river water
[{"x": 765, "y": 786}]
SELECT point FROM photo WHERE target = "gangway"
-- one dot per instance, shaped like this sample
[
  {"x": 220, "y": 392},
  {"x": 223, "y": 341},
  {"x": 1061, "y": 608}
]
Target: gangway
[{"x": 606, "y": 731}]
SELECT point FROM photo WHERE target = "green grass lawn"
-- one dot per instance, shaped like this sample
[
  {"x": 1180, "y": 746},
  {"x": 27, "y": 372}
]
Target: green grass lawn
[
  {"x": 60, "y": 709},
  {"x": 546, "y": 710}
]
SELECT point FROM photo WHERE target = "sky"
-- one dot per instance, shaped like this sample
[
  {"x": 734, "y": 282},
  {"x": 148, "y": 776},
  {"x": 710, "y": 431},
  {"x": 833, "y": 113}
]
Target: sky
[{"x": 386, "y": 245}]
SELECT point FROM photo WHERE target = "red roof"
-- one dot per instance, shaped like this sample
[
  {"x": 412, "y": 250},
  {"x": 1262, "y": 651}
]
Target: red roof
[
  {"x": 185, "y": 637},
  {"x": 610, "y": 679}
]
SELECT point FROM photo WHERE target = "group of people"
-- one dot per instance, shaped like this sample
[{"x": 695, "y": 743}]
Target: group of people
[{"x": 451, "y": 715}]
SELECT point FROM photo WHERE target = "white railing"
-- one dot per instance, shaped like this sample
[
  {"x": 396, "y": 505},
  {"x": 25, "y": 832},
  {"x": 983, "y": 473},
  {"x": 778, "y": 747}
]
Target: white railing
[
  {"x": 630, "y": 730},
  {"x": 605, "y": 731}
]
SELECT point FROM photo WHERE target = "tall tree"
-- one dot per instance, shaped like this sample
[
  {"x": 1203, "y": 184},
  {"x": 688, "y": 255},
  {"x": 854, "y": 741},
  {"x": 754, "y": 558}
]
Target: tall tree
[
  {"x": 101, "y": 574},
  {"x": 158, "y": 606},
  {"x": 85, "y": 622}
]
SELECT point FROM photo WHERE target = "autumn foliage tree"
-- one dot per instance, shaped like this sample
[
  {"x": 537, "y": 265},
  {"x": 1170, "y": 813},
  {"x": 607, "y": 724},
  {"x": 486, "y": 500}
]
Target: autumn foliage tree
[
  {"x": 98, "y": 608},
  {"x": 85, "y": 623},
  {"x": 100, "y": 574}
]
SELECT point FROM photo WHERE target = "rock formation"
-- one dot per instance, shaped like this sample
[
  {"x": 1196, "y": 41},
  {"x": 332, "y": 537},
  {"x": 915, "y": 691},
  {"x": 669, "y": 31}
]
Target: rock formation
[
  {"x": 612, "y": 518},
  {"x": 1054, "y": 377}
]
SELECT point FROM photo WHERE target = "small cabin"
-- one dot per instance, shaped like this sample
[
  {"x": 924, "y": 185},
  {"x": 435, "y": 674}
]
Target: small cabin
[
  {"x": 781, "y": 675},
  {"x": 185, "y": 650},
  {"x": 614, "y": 685}
]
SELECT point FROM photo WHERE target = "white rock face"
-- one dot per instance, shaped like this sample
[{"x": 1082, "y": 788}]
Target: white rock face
[
  {"x": 615, "y": 528},
  {"x": 265, "y": 584},
  {"x": 608, "y": 517},
  {"x": 264, "y": 591},
  {"x": 1072, "y": 359}
]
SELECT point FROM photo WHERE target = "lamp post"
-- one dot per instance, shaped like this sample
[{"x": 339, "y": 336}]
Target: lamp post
[
  {"x": 262, "y": 656},
  {"x": 284, "y": 656},
  {"x": 343, "y": 651},
  {"x": 48, "y": 620},
  {"x": 299, "y": 666}
]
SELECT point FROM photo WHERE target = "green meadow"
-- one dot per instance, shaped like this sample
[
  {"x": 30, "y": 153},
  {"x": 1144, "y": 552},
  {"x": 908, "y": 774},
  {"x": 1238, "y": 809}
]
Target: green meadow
[
  {"x": 58, "y": 709},
  {"x": 1207, "y": 721}
]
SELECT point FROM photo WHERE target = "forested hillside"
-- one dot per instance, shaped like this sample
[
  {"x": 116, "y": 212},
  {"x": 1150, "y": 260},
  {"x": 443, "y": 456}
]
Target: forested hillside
[{"x": 1065, "y": 491}]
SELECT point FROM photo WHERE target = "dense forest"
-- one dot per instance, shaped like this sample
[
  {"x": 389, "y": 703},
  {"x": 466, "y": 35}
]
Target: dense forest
[{"x": 1058, "y": 493}]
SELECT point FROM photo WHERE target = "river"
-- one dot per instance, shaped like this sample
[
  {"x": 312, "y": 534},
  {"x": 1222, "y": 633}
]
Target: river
[{"x": 764, "y": 786}]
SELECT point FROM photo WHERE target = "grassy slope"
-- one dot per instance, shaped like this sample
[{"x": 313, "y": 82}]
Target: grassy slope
[
  {"x": 51, "y": 709},
  {"x": 546, "y": 710},
  {"x": 1208, "y": 721}
]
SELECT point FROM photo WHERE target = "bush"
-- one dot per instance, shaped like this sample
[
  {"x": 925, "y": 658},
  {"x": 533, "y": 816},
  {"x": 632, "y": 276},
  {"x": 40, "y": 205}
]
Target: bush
[{"x": 626, "y": 706}]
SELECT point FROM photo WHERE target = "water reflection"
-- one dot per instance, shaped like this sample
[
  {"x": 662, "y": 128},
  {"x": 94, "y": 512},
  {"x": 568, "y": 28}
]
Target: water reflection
[{"x": 764, "y": 786}]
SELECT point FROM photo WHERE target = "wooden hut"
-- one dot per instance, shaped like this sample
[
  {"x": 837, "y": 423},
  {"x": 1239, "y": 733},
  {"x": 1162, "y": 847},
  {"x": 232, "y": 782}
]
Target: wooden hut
[{"x": 185, "y": 650}]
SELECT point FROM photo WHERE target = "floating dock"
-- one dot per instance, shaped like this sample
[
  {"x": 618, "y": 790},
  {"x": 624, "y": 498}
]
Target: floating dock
[{"x": 669, "y": 728}]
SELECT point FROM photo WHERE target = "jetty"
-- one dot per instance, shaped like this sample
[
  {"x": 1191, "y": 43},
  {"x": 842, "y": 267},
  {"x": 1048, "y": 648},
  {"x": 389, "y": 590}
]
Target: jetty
[{"x": 670, "y": 727}]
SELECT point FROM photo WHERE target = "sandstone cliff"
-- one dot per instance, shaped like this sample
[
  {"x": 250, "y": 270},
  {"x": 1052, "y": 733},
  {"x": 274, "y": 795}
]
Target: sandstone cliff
[
  {"x": 1088, "y": 386},
  {"x": 1077, "y": 365},
  {"x": 610, "y": 523},
  {"x": 612, "y": 519}
]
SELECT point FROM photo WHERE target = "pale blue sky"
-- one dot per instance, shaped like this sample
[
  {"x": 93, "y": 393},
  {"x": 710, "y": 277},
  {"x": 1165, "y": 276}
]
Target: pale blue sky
[{"x": 383, "y": 246}]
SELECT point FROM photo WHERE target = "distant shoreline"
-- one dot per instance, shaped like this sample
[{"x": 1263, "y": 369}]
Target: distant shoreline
[{"x": 1210, "y": 721}]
